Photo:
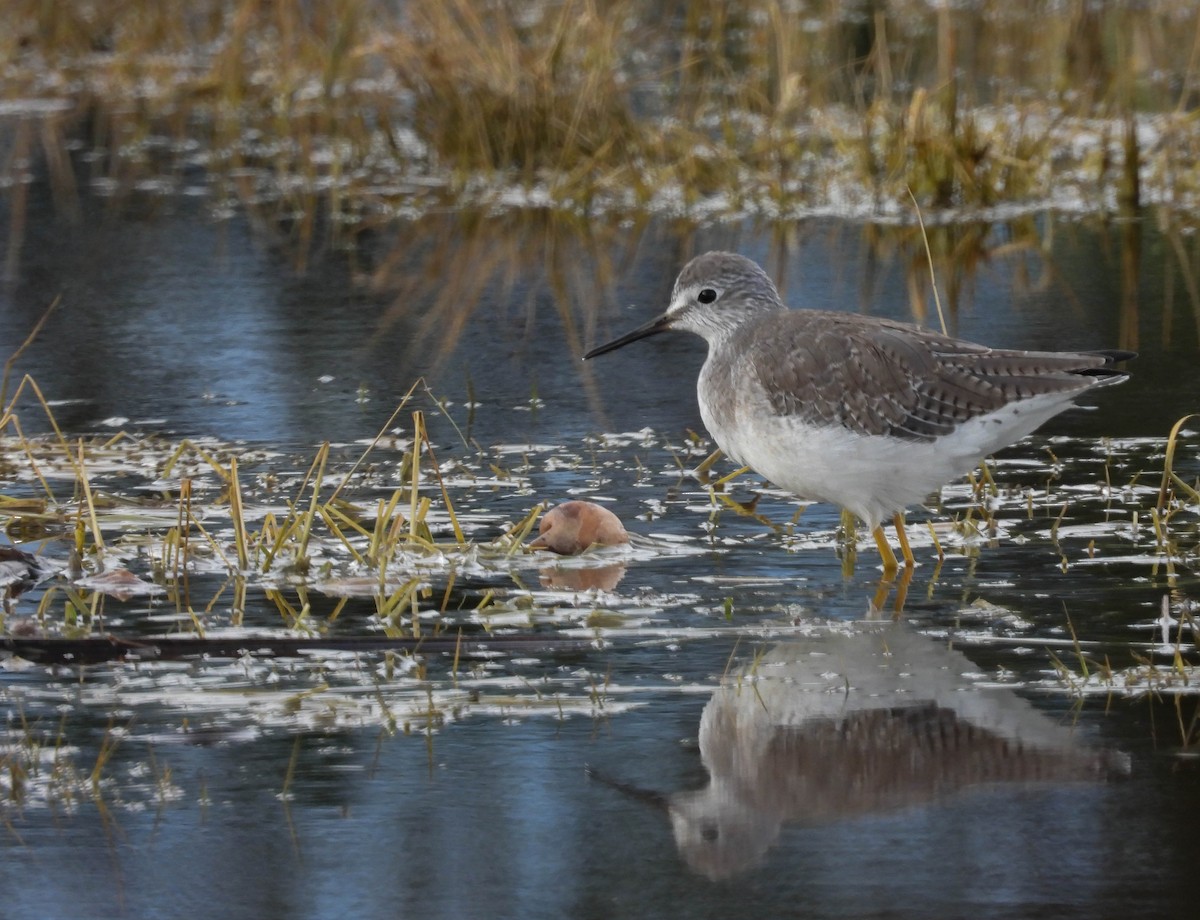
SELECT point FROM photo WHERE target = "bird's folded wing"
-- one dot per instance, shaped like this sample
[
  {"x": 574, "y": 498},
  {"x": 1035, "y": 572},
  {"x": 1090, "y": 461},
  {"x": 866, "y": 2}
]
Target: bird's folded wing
[{"x": 882, "y": 378}]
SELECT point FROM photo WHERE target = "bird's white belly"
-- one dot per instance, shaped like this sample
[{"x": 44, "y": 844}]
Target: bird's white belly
[{"x": 872, "y": 476}]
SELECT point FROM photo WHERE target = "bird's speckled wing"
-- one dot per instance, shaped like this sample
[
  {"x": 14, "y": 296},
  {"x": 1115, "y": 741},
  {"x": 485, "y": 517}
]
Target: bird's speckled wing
[{"x": 878, "y": 377}]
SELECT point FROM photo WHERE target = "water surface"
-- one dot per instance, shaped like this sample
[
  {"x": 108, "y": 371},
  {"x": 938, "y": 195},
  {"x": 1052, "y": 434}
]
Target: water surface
[{"x": 335, "y": 785}]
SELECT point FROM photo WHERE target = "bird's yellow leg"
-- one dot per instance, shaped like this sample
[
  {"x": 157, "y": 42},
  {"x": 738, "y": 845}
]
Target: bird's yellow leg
[
  {"x": 905, "y": 549},
  {"x": 729, "y": 477},
  {"x": 890, "y": 565},
  {"x": 706, "y": 465}
]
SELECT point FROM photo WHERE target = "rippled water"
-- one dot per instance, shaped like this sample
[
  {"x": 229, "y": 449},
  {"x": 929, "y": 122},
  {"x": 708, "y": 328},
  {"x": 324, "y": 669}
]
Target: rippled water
[{"x": 1019, "y": 744}]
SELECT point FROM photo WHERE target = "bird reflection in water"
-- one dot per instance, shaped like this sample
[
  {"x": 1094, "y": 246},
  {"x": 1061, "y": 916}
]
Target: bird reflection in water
[{"x": 859, "y": 719}]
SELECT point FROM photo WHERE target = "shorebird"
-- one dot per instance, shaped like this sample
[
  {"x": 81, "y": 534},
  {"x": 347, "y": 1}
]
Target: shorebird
[{"x": 866, "y": 413}]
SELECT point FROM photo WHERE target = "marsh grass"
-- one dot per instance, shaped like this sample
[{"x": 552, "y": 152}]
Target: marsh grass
[
  {"x": 358, "y": 107},
  {"x": 208, "y": 521},
  {"x": 495, "y": 91},
  {"x": 1159, "y": 673}
]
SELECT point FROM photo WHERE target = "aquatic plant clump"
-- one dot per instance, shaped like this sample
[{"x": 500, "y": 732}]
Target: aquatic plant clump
[{"x": 365, "y": 109}]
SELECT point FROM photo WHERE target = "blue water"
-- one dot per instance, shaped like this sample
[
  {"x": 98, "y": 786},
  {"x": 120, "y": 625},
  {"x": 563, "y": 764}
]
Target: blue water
[{"x": 172, "y": 322}]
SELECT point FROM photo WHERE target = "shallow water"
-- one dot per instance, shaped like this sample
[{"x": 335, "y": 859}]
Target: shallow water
[{"x": 336, "y": 784}]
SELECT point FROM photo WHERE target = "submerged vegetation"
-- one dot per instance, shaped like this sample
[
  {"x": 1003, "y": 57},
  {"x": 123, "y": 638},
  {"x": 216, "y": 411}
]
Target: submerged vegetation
[{"x": 373, "y": 109}]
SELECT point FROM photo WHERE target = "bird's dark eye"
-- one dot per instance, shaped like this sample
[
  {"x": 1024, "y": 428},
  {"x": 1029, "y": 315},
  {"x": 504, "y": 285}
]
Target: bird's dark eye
[{"x": 706, "y": 295}]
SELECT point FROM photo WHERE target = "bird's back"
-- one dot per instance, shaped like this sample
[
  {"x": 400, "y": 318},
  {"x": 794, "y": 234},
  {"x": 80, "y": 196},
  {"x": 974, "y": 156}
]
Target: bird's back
[{"x": 879, "y": 377}]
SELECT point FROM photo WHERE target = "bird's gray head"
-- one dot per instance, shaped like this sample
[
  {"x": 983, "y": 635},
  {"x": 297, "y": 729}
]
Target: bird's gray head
[
  {"x": 717, "y": 291},
  {"x": 720, "y": 834},
  {"x": 714, "y": 294}
]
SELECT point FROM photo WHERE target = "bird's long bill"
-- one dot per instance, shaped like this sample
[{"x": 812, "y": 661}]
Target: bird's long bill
[
  {"x": 649, "y": 796},
  {"x": 654, "y": 326}
]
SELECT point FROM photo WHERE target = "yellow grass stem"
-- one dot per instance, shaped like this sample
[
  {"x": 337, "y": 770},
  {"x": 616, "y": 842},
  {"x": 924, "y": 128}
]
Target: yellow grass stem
[
  {"x": 27, "y": 448},
  {"x": 236, "y": 515},
  {"x": 937, "y": 300},
  {"x": 450, "y": 579},
  {"x": 1057, "y": 522},
  {"x": 486, "y": 601},
  {"x": 1075, "y": 642},
  {"x": 454, "y": 663},
  {"x": 420, "y": 529},
  {"x": 317, "y": 475},
  {"x": 182, "y": 532},
  {"x": 290, "y": 615},
  {"x": 335, "y": 528},
  {"x": 285, "y": 792},
  {"x": 401, "y": 596},
  {"x": 415, "y": 484},
  {"x": 387, "y": 426},
  {"x": 238, "y": 607},
  {"x": 328, "y": 516},
  {"x": 395, "y": 532},
  {"x": 12, "y": 359},
  {"x": 89, "y": 501},
  {"x": 197, "y": 625},
  {"x": 517, "y": 534},
  {"x": 420, "y": 431},
  {"x": 108, "y": 746},
  {"x": 10, "y": 418},
  {"x": 212, "y": 541},
  {"x": 116, "y": 439},
  {"x": 1163, "y": 541},
  {"x": 1169, "y": 474},
  {"x": 220, "y": 592},
  {"x": 937, "y": 544},
  {"x": 186, "y": 446},
  {"x": 383, "y": 536},
  {"x": 27, "y": 508},
  {"x": 441, "y": 404},
  {"x": 337, "y": 609},
  {"x": 282, "y": 535}
]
